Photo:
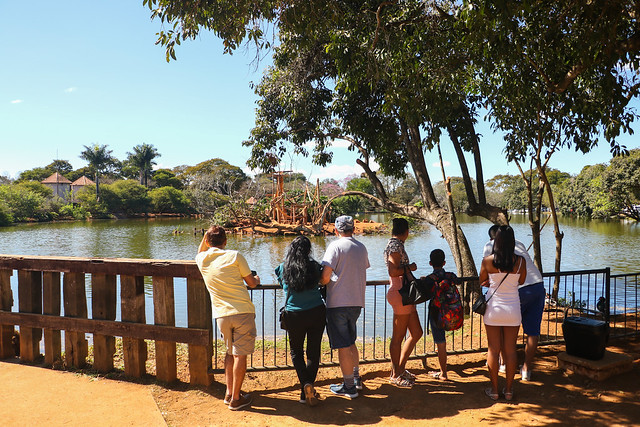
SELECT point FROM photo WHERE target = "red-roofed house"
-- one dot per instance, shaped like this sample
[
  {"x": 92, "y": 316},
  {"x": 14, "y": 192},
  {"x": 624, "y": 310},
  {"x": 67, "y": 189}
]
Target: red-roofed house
[
  {"x": 60, "y": 185},
  {"x": 78, "y": 185}
]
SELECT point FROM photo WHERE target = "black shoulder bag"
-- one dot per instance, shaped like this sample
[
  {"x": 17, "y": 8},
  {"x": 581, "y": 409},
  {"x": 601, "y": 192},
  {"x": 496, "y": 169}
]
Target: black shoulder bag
[
  {"x": 480, "y": 305},
  {"x": 283, "y": 313},
  {"x": 414, "y": 291}
]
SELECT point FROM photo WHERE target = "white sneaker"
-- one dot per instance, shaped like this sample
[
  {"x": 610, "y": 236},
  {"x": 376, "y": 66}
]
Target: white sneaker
[
  {"x": 502, "y": 369},
  {"x": 525, "y": 375}
]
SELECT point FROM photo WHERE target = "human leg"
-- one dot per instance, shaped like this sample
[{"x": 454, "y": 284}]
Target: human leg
[
  {"x": 531, "y": 307},
  {"x": 314, "y": 341},
  {"x": 228, "y": 375},
  {"x": 494, "y": 339},
  {"x": 239, "y": 370},
  {"x": 297, "y": 332},
  {"x": 400, "y": 324},
  {"x": 239, "y": 333},
  {"x": 441, "y": 344},
  {"x": 342, "y": 331},
  {"x": 415, "y": 333},
  {"x": 509, "y": 339}
]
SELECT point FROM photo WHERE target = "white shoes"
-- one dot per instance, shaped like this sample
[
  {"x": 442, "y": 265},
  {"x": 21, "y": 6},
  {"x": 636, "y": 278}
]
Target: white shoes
[{"x": 525, "y": 375}]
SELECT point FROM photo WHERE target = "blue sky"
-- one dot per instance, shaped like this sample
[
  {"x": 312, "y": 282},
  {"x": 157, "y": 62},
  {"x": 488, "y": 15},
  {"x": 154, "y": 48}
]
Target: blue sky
[{"x": 76, "y": 73}]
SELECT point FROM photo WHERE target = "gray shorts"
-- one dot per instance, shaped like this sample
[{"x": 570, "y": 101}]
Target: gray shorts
[{"x": 239, "y": 333}]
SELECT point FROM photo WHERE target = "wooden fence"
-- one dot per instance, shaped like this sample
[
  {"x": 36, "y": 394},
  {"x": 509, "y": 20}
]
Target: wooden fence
[{"x": 47, "y": 308}]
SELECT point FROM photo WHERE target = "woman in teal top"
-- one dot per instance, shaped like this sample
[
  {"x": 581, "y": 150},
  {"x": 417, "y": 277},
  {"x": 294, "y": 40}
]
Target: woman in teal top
[{"x": 305, "y": 312}]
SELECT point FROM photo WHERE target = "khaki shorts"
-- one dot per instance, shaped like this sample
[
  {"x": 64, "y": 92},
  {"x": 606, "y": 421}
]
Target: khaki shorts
[{"x": 239, "y": 333}]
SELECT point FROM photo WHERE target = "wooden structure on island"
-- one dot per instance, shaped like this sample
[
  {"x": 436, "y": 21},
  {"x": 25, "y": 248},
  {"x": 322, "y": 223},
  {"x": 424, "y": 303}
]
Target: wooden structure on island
[{"x": 287, "y": 210}]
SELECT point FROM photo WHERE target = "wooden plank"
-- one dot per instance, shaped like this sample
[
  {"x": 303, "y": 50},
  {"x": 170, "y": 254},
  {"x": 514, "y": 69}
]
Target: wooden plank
[
  {"x": 103, "y": 307},
  {"x": 108, "y": 327},
  {"x": 126, "y": 266},
  {"x": 199, "y": 316},
  {"x": 76, "y": 347},
  {"x": 132, "y": 309},
  {"x": 51, "y": 305},
  {"x": 6, "y": 302},
  {"x": 164, "y": 314},
  {"x": 30, "y": 301}
]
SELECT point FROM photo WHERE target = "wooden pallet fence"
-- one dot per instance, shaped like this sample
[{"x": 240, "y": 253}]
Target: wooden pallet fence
[{"x": 52, "y": 297}]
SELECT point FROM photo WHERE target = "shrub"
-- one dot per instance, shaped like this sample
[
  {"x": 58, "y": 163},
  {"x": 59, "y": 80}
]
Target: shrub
[
  {"x": 21, "y": 202},
  {"x": 168, "y": 199},
  {"x": 5, "y": 215}
]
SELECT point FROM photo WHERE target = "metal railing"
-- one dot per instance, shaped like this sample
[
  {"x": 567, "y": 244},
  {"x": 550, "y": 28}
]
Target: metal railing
[
  {"x": 578, "y": 294},
  {"x": 61, "y": 299}
]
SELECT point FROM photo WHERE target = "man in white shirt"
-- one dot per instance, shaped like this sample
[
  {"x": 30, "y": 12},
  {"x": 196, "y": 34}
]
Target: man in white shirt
[
  {"x": 532, "y": 294},
  {"x": 345, "y": 274},
  {"x": 225, "y": 273}
]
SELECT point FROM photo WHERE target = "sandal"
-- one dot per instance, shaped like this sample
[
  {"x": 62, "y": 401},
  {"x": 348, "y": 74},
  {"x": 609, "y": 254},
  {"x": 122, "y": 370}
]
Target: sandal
[
  {"x": 400, "y": 382},
  {"x": 508, "y": 395},
  {"x": 490, "y": 394},
  {"x": 437, "y": 375},
  {"x": 409, "y": 377}
]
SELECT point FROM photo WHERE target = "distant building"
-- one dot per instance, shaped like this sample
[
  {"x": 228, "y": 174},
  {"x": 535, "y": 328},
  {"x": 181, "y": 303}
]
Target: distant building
[
  {"x": 60, "y": 185},
  {"x": 78, "y": 185}
]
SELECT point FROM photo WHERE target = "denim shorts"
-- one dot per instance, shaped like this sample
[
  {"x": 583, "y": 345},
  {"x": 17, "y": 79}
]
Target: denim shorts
[
  {"x": 341, "y": 326},
  {"x": 532, "y": 307},
  {"x": 436, "y": 333}
]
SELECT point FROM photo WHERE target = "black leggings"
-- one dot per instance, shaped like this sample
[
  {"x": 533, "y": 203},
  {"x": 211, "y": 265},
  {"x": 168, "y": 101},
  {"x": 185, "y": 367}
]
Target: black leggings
[{"x": 309, "y": 323}]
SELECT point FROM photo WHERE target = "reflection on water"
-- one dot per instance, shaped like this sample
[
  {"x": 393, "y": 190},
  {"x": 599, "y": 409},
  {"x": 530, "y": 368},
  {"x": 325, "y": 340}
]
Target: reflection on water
[{"x": 587, "y": 245}]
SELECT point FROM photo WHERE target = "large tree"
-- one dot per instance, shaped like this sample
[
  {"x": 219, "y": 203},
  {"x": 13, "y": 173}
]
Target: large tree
[
  {"x": 142, "y": 159},
  {"x": 554, "y": 75},
  {"x": 99, "y": 159}
]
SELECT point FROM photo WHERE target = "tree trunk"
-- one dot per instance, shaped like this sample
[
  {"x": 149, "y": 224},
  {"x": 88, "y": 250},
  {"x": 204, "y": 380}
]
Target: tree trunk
[
  {"x": 97, "y": 187},
  {"x": 556, "y": 227}
]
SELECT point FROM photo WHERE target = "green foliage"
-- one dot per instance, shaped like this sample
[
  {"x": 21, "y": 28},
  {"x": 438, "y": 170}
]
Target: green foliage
[
  {"x": 166, "y": 178},
  {"x": 22, "y": 203},
  {"x": 407, "y": 193},
  {"x": 87, "y": 199},
  {"x": 6, "y": 218},
  {"x": 169, "y": 199},
  {"x": 126, "y": 197},
  {"x": 622, "y": 180},
  {"x": 35, "y": 174},
  {"x": 74, "y": 211},
  {"x": 100, "y": 161},
  {"x": 36, "y": 187},
  {"x": 142, "y": 159},
  {"x": 215, "y": 175},
  {"x": 63, "y": 167}
]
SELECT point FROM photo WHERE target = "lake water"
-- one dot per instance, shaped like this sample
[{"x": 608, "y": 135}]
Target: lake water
[{"x": 587, "y": 245}]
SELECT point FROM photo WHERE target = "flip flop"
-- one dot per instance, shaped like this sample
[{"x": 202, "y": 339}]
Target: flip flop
[
  {"x": 401, "y": 382},
  {"x": 508, "y": 395},
  {"x": 490, "y": 394}
]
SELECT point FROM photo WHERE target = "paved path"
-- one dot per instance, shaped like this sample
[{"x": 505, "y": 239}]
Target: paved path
[{"x": 31, "y": 395}]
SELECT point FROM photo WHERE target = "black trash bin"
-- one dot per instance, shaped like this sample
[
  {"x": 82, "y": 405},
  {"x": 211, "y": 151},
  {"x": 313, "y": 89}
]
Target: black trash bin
[{"x": 584, "y": 337}]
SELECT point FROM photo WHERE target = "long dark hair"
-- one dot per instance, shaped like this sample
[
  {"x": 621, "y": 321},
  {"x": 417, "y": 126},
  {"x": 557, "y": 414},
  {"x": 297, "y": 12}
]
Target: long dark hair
[
  {"x": 300, "y": 270},
  {"x": 503, "y": 245}
]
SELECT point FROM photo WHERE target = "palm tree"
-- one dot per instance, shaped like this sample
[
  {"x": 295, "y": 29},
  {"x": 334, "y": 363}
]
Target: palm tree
[
  {"x": 142, "y": 158},
  {"x": 98, "y": 158}
]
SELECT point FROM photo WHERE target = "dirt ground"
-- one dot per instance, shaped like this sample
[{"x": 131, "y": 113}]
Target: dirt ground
[
  {"x": 32, "y": 395},
  {"x": 552, "y": 397}
]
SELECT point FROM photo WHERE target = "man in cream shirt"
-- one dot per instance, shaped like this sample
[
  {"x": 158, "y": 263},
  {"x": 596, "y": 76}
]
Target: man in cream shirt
[{"x": 225, "y": 273}]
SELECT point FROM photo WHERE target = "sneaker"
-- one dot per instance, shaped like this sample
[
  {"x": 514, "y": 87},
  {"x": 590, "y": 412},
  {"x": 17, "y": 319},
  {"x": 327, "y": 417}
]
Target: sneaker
[
  {"x": 245, "y": 400},
  {"x": 227, "y": 399},
  {"x": 303, "y": 398},
  {"x": 358, "y": 383},
  {"x": 310, "y": 395},
  {"x": 342, "y": 390},
  {"x": 525, "y": 375},
  {"x": 502, "y": 369}
]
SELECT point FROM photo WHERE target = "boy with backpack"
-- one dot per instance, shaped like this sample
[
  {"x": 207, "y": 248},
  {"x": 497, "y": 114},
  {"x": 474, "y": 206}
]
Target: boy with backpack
[{"x": 445, "y": 309}]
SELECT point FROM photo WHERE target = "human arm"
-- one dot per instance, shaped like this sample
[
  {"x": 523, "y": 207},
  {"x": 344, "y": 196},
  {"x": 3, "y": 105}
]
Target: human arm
[
  {"x": 395, "y": 266},
  {"x": 483, "y": 278},
  {"x": 204, "y": 245},
  {"x": 522, "y": 270},
  {"x": 325, "y": 276},
  {"x": 251, "y": 280}
]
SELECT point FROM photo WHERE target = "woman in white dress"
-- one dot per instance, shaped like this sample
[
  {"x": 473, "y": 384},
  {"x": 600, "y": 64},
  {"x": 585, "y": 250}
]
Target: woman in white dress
[{"x": 502, "y": 272}]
